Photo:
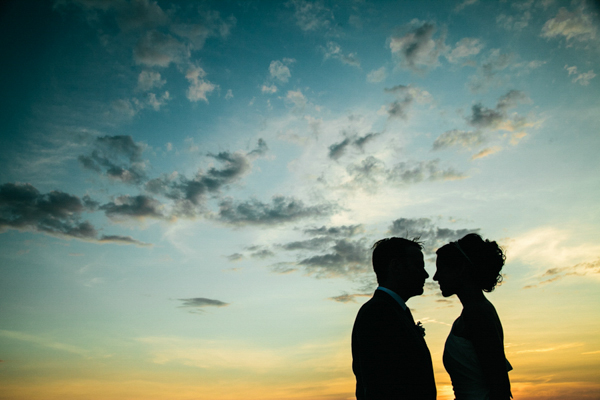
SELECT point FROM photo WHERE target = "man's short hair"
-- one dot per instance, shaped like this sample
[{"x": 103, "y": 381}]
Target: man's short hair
[{"x": 387, "y": 249}]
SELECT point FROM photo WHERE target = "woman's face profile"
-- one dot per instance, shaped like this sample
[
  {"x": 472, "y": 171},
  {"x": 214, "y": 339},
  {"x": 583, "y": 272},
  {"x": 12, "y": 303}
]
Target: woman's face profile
[{"x": 447, "y": 276}]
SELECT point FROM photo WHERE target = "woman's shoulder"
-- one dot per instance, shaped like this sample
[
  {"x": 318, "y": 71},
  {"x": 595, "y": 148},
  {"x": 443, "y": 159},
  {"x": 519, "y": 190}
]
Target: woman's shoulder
[{"x": 480, "y": 316}]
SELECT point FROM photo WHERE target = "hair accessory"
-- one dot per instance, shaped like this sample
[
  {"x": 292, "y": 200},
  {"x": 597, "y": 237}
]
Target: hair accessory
[{"x": 463, "y": 253}]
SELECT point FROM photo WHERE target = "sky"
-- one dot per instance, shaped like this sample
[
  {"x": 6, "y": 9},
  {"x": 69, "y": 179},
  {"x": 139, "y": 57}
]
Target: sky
[{"x": 189, "y": 190}]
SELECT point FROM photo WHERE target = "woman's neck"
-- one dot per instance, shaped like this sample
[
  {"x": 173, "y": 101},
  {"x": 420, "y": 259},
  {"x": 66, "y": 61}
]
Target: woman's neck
[{"x": 470, "y": 295}]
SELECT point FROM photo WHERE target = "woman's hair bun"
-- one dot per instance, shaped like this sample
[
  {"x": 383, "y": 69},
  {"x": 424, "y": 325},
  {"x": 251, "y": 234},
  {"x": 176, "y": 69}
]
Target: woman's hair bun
[{"x": 487, "y": 258}]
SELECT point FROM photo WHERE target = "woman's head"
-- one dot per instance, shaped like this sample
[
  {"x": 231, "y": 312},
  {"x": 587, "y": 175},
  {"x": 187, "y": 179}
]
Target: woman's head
[{"x": 480, "y": 261}]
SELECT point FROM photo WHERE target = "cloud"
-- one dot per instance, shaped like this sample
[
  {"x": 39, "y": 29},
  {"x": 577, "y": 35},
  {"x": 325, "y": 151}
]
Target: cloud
[
  {"x": 280, "y": 71},
  {"x": 281, "y": 210},
  {"x": 417, "y": 50},
  {"x": 157, "y": 102},
  {"x": 296, "y": 98},
  {"x": 148, "y": 80},
  {"x": 190, "y": 194},
  {"x": 311, "y": 16},
  {"x": 458, "y": 138},
  {"x": 56, "y": 213},
  {"x": 348, "y": 298},
  {"x": 44, "y": 342},
  {"x": 557, "y": 273},
  {"x": 486, "y": 152},
  {"x": 210, "y": 24},
  {"x": 117, "y": 239},
  {"x": 137, "y": 207},
  {"x": 488, "y": 72},
  {"x": 199, "y": 87},
  {"x": 268, "y": 89},
  {"x": 372, "y": 172},
  {"x": 235, "y": 257},
  {"x": 310, "y": 244},
  {"x": 336, "y": 150},
  {"x": 334, "y": 51},
  {"x": 514, "y": 23},
  {"x": 465, "y": 47},
  {"x": 582, "y": 78},
  {"x": 406, "y": 95},
  {"x": 377, "y": 75},
  {"x": 198, "y": 303},
  {"x": 336, "y": 231},
  {"x": 497, "y": 119},
  {"x": 464, "y": 4},
  {"x": 431, "y": 235},
  {"x": 578, "y": 25},
  {"x": 156, "y": 49},
  {"x": 119, "y": 157},
  {"x": 140, "y": 14},
  {"x": 345, "y": 258}
]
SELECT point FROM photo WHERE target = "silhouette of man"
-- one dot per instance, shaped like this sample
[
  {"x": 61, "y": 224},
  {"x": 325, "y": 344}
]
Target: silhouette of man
[{"x": 390, "y": 358}]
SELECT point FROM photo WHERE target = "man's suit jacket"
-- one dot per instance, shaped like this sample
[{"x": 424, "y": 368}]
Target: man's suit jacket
[{"x": 390, "y": 358}]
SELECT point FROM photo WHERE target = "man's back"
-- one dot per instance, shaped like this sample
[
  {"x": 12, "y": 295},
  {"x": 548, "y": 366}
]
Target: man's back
[{"x": 390, "y": 357}]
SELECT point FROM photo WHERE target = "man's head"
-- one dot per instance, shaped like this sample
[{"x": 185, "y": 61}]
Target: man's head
[{"x": 399, "y": 266}]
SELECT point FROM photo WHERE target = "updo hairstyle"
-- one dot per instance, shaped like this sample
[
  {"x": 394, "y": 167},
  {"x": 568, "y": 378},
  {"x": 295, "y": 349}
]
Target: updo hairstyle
[{"x": 484, "y": 259}]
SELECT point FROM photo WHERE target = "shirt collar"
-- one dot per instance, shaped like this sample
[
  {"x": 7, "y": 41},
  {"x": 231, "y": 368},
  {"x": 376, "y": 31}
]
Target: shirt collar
[{"x": 394, "y": 296}]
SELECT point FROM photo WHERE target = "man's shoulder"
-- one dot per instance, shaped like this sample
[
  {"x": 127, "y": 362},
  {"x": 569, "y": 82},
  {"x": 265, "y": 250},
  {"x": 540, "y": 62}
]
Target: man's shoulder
[{"x": 378, "y": 306}]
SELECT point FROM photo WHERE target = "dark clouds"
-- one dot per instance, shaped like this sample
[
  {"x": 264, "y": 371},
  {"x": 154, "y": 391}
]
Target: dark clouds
[
  {"x": 371, "y": 172},
  {"x": 281, "y": 210},
  {"x": 117, "y": 239},
  {"x": 56, "y": 213},
  {"x": 344, "y": 258},
  {"x": 337, "y": 150},
  {"x": 118, "y": 157},
  {"x": 425, "y": 229},
  {"x": 406, "y": 95},
  {"x": 486, "y": 120},
  {"x": 133, "y": 207},
  {"x": 417, "y": 49},
  {"x": 348, "y": 298},
  {"x": 458, "y": 138},
  {"x": 191, "y": 194},
  {"x": 343, "y": 230},
  {"x": 22, "y": 206},
  {"x": 196, "y": 304}
]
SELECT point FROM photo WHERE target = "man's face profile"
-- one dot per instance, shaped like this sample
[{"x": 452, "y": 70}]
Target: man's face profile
[{"x": 409, "y": 273}]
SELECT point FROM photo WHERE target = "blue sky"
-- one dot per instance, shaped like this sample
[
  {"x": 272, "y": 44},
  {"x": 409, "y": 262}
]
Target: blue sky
[{"x": 190, "y": 190}]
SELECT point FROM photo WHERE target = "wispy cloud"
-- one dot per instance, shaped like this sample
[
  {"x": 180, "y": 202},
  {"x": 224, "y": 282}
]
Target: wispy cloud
[
  {"x": 44, "y": 342},
  {"x": 348, "y": 298},
  {"x": 117, "y": 157},
  {"x": 583, "y": 78},
  {"x": 334, "y": 51},
  {"x": 312, "y": 15},
  {"x": 427, "y": 231},
  {"x": 417, "y": 49},
  {"x": 406, "y": 95},
  {"x": 337, "y": 150},
  {"x": 280, "y": 210},
  {"x": 371, "y": 172},
  {"x": 56, "y": 213},
  {"x": 197, "y": 303},
  {"x": 465, "y": 48},
  {"x": 573, "y": 25}
]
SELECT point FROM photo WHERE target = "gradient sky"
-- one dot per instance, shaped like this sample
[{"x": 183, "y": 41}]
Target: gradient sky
[{"x": 189, "y": 190}]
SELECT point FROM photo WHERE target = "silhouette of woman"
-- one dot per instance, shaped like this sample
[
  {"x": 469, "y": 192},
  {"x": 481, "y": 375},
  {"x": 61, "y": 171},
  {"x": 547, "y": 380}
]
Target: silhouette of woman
[{"x": 474, "y": 351}]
